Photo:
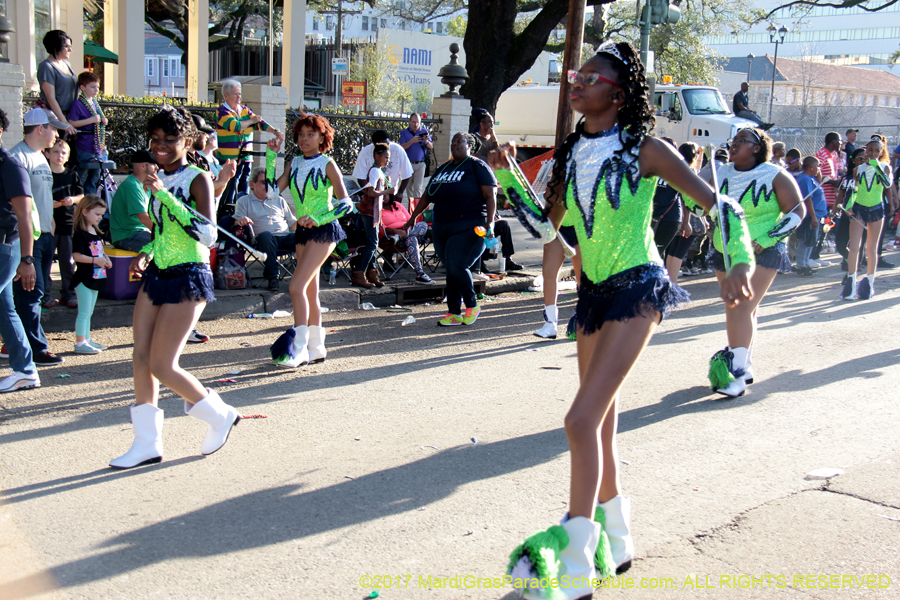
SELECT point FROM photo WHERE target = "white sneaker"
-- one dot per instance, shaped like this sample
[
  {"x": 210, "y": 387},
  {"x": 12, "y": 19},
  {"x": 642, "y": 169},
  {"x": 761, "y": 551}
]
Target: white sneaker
[
  {"x": 479, "y": 276},
  {"x": 20, "y": 381},
  {"x": 548, "y": 331}
]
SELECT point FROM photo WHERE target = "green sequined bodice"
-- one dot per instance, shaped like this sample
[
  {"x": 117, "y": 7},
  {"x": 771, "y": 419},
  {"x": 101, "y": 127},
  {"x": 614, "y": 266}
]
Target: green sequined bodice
[
  {"x": 172, "y": 245},
  {"x": 870, "y": 180},
  {"x": 310, "y": 186},
  {"x": 755, "y": 191}
]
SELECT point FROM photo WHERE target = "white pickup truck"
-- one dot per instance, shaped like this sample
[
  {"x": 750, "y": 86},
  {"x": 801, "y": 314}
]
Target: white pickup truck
[{"x": 686, "y": 113}]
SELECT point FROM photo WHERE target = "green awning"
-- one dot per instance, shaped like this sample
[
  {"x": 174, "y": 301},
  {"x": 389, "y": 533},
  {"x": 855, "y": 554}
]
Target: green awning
[{"x": 98, "y": 53}]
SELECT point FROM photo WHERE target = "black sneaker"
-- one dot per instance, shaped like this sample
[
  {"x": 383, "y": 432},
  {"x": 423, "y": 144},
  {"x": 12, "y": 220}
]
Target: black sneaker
[
  {"x": 47, "y": 358},
  {"x": 424, "y": 278},
  {"x": 883, "y": 264},
  {"x": 512, "y": 265},
  {"x": 844, "y": 265},
  {"x": 805, "y": 271},
  {"x": 274, "y": 285}
]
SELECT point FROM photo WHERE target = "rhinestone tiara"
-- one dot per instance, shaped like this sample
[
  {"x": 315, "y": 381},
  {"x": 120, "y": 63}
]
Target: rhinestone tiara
[{"x": 611, "y": 48}]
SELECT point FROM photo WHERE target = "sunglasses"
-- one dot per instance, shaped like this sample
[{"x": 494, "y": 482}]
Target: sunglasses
[{"x": 588, "y": 80}]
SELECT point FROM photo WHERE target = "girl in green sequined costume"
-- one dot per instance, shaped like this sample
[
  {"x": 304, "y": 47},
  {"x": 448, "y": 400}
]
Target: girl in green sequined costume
[
  {"x": 774, "y": 208},
  {"x": 873, "y": 178},
  {"x": 605, "y": 174},
  {"x": 314, "y": 180},
  {"x": 177, "y": 283}
]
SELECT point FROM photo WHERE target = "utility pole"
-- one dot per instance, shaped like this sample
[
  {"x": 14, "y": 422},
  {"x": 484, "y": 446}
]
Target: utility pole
[
  {"x": 338, "y": 41},
  {"x": 571, "y": 61}
]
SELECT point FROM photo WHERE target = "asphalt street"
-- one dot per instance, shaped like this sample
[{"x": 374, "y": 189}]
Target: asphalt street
[{"x": 416, "y": 458}]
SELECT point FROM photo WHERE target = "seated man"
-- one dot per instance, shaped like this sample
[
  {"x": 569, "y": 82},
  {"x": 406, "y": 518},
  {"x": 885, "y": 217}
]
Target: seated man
[
  {"x": 272, "y": 222},
  {"x": 129, "y": 213}
]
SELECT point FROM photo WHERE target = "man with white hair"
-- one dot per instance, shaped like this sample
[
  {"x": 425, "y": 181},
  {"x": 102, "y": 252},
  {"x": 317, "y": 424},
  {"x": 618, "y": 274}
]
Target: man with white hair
[{"x": 235, "y": 124}]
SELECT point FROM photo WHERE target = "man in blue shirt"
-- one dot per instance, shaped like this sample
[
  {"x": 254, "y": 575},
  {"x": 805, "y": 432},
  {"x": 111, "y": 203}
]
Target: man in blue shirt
[
  {"x": 16, "y": 263},
  {"x": 816, "y": 208},
  {"x": 417, "y": 142}
]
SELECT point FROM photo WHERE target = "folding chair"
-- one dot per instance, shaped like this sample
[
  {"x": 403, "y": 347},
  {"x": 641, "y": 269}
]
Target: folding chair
[
  {"x": 343, "y": 263},
  {"x": 387, "y": 250},
  {"x": 287, "y": 263}
]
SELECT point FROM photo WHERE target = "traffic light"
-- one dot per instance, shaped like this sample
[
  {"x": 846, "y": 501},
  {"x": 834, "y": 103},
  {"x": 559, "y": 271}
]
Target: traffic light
[{"x": 661, "y": 12}]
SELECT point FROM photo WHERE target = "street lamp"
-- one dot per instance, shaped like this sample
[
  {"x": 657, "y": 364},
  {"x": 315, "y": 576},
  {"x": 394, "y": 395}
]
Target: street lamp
[
  {"x": 775, "y": 37},
  {"x": 750, "y": 58}
]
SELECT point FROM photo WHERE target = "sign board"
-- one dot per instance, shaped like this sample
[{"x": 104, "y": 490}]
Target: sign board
[
  {"x": 354, "y": 101},
  {"x": 353, "y": 89},
  {"x": 339, "y": 66}
]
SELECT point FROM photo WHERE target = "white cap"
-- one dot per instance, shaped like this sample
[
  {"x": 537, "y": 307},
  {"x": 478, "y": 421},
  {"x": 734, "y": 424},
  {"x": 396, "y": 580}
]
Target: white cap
[{"x": 39, "y": 116}]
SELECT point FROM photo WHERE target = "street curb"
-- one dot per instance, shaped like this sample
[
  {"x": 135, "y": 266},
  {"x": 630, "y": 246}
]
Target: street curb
[{"x": 118, "y": 313}]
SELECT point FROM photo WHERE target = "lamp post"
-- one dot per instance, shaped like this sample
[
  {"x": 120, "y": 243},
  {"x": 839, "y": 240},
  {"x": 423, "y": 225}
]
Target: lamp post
[
  {"x": 750, "y": 58},
  {"x": 779, "y": 39},
  {"x": 6, "y": 28}
]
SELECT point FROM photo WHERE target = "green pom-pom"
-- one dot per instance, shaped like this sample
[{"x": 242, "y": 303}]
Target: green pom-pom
[
  {"x": 542, "y": 549},
  {"x": 720, "y": 375},
  {"x": 603, "y": 558}
]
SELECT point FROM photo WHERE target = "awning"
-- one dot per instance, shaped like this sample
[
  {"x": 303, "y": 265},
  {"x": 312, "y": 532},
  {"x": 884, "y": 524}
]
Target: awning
[{"x": 98, "y": 53}]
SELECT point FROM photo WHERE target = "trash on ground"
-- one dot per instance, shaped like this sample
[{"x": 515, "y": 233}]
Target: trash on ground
[
  {"x": 254, "y": 416},
  {"x": 228, "y": 381},
  {"x": 261, "y": 316},
  {"x": 470, "y": 532},
  {"x": 825, "y": 473},
  {"x": 423, "y": 447},
  {"x": 408, "y": 321},
  {"x": 373, "y": 594},
  {"x": 63, "y": 375},
  {"x": 324, "y": 310},
  {"x": 552, "y": 368},
  {"x": 280, "y": 314},
  {"x": 889, "y": 518},
  {"x": 367, "y": 306},
  {"x": 357, "y": 438},
  {"x": 532, "y": 349},
  {"x": 348, "y": 477},
  {"x": 474, "y": 441},
  {"x": 233, "y": 372}
]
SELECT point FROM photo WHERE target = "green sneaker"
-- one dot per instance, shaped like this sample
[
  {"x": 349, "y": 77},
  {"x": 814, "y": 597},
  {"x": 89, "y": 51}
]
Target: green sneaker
[
  {"x": 450, "y": 320},
  {"x": 471, "y": 315}
]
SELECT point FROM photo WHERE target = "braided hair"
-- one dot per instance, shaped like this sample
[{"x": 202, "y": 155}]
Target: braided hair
[
  {"x": 174, "y": 120},
  {"x": 635, "y": 117}
]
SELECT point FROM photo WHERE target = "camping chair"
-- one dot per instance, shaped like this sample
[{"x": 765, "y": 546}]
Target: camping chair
[
  {"x": 427, "y": 255},
  {"x": 387, "y": 250}
]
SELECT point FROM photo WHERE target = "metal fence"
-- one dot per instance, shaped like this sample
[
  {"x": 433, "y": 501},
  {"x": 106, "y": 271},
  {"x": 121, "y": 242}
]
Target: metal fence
[
  {"x": 804, "y": 128},
  {"x": 128, "y": 129}
]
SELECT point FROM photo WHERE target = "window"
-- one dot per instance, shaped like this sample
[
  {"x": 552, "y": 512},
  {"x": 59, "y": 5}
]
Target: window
[
  {"x": 440, "y": 27},
  {"x": 373, "y": 24},
  {"x": 150, "y": 62},
  {"x": 365, "y": 23},
  {"x": 165, "y": 64},
  {"x": 181, "y": 69},
  {"x": 315, "y": 24},
  {"x": 874, "y": 100},
  {"x": 384, "y": 23},
  {"x": 897, "y": 101},
  {"x": 41, "y": 27},
  {"x": 173, "y": 68},
  {"x": 402, "y": 25},
  {"x": 329, "y": 22}
]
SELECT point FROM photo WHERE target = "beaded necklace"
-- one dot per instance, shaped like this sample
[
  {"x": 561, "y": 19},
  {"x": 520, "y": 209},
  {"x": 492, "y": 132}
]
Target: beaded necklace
[
  {"x": 443, "y": 176},
  {"x": 99, "y": 127}
]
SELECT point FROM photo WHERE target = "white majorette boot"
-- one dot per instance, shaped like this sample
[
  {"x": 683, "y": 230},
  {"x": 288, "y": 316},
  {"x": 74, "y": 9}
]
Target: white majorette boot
[
  {"x": 565, "y": 553},
  {"x": 290, "y": 349},
  {"x": 727, "y": 371},
  {"x": 219, "y": 418},
  {"x": 617, "y": 513},
  {"x": 316, "y": 346},
  {"x": 551, "y": 318},
  {"x": 748, "y": 369},
  {"x": 147, "y": 448}
]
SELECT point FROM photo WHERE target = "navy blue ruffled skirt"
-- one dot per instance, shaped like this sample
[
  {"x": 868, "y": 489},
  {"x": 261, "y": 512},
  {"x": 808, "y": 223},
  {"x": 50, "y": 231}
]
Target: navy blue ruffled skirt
[
  {"x": 631, "y": 293},
  {"x": 567, "y": 233},
  {"x": 330, "y": 233},
  {"x": 775, "y": 258},
  {"x": 868, "y": 214},
  {"x": 189, "y": 281}
]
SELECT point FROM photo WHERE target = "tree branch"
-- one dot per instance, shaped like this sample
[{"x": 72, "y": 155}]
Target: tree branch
[{"x": 847, "y": 4}]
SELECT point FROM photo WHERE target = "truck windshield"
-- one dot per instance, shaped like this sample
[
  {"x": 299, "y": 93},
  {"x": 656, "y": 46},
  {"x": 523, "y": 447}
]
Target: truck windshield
[{"x": 705, "y": 102}]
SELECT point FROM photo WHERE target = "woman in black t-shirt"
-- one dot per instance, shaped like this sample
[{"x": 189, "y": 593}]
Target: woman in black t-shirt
[{"x": 464, "y": 193}]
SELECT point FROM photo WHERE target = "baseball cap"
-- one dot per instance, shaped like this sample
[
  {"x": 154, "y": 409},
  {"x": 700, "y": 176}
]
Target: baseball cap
[
  {"x": 39, "y": 116},
  {"x": 142, "y": 156},
  {"x": 852, "y": 131},
  {"x": 201, "y": 124}
]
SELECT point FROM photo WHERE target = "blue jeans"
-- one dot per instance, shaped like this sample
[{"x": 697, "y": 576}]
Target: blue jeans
[
  {"x": 367, "y": 255},
  {"x": 458, "y": 247},
  {"x": 28, "y": 304},
  {"x": 88, "y": 170},
  {"x": 806, "y": 241},
  {"x": 20, "y": 356},
  {"x": 744, "y": 114},
  {"x": 134, "y": 243},
  {"x": 270, "y": 243}
]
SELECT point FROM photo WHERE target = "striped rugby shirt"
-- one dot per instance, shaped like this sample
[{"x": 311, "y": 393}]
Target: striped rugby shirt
[{"x": 228, "y": 130}]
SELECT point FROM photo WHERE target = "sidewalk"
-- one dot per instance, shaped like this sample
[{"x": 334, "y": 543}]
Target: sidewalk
[{"x": 240, "y": 303}]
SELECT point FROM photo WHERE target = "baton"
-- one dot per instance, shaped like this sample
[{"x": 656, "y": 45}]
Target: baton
[
  {"x": 568, "y": 250},
  {"x": 711, "y": 153},
  {"x": 852, "y": 217},
  {"x": 256, "y": 253}
]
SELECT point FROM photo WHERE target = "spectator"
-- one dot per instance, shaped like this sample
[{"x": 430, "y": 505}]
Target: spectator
[
  {"x": 197, "y": 156},
  {"x": 39, "y": 136},
  {"x": 464, "y": 192},
  {"x": 793, "y": 163},
  {"x": 394, "y": 216},
  {"x": 90, "y": 145},
  {"x": 850, "y": 145},
  {"x": 816, "y": 209},
  {"x": 67, "y": 192},
  {"x": 741, "y": 108},
  {"x": 398, "y": 171},
  {"x": 129, "y": 215},
  {"x": 417, "y": 142},
  {"x": 272, "y": 220},
  {"x": 667, "y": 214},
  {"x": 91, "y": 277},
  {"x": 234, "y": 126},
  {"x": 59, "y": 84},
  {"x": 778, "y": 154},
  {"x": 15, "y": 262},
  {"x": 365, "y": 274},
  {"x": 830, "y": 165},
  {"x": 484, "y": 134}
]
